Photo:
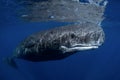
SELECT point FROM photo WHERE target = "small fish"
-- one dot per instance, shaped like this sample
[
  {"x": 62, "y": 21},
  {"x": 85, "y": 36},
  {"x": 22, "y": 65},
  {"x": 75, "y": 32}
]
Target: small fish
[{"x": 58, "y": 43}]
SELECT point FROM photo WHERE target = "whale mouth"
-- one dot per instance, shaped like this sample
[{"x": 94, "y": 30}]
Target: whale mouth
[
  {"x": 81, "y": 47},
  {"x": 85, "y": 45},
  {"x": 78, "y": 47}
]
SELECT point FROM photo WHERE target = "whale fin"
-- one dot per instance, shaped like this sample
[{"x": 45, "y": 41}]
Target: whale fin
[{"x": 10, "y": 61}]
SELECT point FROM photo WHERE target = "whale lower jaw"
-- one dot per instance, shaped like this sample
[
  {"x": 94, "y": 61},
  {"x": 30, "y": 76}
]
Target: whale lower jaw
[{"x": 80, "y": 47}]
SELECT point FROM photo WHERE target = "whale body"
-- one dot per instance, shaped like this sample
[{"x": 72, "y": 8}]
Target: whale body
[{"x": 58, "y": 43}]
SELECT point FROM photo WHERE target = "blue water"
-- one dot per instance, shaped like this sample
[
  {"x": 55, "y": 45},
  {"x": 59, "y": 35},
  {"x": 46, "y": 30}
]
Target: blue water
[{"x": 99, "y": 64}]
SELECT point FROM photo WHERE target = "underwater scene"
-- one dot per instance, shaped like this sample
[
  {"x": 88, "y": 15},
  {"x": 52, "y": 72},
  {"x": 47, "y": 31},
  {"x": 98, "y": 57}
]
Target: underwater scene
[{"x": 59, "y": 40}]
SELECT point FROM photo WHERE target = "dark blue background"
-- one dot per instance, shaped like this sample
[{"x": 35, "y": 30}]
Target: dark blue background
[{"x": 99, "y": 64}]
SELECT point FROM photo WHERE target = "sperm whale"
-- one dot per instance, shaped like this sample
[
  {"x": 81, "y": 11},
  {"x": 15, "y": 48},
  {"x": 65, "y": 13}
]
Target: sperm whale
[{"x": 58, "y": 43}]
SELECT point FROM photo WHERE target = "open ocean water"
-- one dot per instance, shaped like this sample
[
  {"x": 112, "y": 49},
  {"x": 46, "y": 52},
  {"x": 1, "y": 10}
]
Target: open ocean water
[{"x": 99, "y": 64}]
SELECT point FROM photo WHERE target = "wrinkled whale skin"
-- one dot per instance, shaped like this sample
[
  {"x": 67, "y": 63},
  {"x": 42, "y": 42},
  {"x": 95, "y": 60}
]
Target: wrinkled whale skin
[{"x": 60, "y": 42}]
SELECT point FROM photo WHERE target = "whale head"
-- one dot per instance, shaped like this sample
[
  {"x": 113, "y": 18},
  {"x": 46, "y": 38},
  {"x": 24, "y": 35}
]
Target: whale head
[{"x": 85, "y": 37}]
